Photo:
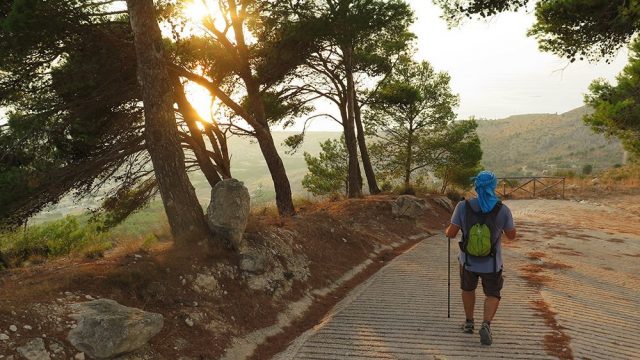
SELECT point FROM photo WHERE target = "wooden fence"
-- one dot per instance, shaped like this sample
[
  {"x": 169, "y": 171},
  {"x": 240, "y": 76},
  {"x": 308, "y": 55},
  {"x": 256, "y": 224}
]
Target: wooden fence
[{"x": 534, "y": 186}]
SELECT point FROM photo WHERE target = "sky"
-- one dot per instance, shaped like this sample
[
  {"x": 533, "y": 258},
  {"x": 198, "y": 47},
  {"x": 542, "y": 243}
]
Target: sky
[{"x": 496, "y": 69}]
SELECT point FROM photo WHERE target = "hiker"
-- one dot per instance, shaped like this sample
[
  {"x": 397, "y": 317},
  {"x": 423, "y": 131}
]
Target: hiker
[{"x": 480, "y": 249}]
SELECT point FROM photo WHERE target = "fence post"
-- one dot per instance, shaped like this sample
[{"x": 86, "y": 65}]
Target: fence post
[
  {"x": 534, "y": 187},
  {"x": 563, "y": 179}
]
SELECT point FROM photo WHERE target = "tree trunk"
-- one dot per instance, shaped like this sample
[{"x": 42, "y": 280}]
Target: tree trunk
[
  {"x": 407, "y": 163},
  {"x": 355, "y": 189},
  {"x": 284, "y": 200},
  {"x": 364, "y": 152},
  {"x": 186, "y": 218}
]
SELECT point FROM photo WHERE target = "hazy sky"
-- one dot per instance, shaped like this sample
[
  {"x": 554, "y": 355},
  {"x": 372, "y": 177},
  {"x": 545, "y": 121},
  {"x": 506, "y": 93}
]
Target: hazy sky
[{"x": 497, "y": 70}]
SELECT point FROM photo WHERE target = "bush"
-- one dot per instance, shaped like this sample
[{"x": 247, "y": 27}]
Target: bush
[
  {"x": 454, "y": 195},
  {"x": 405, "y": 189},
  {"x": 386, "y": 186},
  {"x": 587, "y": 169},
  {"x": 53, "y": 239}
]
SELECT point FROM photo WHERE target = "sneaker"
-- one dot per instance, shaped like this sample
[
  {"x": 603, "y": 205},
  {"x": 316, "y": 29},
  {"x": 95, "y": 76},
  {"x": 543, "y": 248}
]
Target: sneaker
[
  {"x": 468, "y": 327},
  {"x": 485, "y": 334}
]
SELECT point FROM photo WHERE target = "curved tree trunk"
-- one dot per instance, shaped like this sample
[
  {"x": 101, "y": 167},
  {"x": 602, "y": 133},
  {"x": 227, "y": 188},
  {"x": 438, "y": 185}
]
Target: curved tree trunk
[
  {"x": 284, "y": 199},
  {"x": 185, "y": 214},
  {"x": 281, "y": 183},
  {"x": 364, "y": 152}
]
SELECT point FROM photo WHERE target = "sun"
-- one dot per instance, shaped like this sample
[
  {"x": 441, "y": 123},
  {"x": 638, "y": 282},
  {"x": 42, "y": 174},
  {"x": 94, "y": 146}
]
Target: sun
[
  {"x": 200, "y": 98},
  {"x": 196, "y": 11}
]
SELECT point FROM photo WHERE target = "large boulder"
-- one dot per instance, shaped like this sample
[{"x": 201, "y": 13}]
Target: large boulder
[
  {"x": 34, "y": 350},
  {"x": 445, "y": 202},
  {"x": 228, "y": 211},
  {"x": 106, "y": 329},
  {"x": 409, "y": 206}
]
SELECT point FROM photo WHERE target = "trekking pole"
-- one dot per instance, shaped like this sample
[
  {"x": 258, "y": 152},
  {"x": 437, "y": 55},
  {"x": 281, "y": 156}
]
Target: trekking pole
[{"x": 448, "y": 277}]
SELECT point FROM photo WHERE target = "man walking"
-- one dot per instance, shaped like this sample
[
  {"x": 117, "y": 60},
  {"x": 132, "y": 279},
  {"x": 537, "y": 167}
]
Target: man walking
[{"x": 482, "y": 221}]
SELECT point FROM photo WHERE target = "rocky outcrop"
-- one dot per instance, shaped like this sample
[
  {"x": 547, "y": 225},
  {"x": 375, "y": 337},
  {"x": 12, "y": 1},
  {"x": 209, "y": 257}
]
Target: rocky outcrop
[
  {"x": 253, "y": 263},
  {"x": 409, "y": 206},
  {"x": 228, "y": 212},
  {"x": 106, "y": 329}
]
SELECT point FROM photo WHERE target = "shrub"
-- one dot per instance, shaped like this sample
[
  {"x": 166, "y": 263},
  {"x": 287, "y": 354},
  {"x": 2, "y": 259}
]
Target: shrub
[
  {"x": 405, "y": 189},
  {"x": 587, "y": 169},
  {"x": 454, "y": 195},
  {"x": 386, "y": 186},
  {"x": 53, "y": 239}
]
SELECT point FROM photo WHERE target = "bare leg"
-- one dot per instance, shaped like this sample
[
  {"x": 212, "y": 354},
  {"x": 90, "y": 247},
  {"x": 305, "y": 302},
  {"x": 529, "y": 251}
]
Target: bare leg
[
  {"x": 469, "y": 302},
  {"x": 490, "y": 307}
]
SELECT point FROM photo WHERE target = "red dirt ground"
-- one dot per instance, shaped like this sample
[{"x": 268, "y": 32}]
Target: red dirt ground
[{"x": 152, "y": 280}]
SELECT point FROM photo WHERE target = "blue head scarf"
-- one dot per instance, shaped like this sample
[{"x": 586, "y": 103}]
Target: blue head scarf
[{"x": 485, "y": 183}]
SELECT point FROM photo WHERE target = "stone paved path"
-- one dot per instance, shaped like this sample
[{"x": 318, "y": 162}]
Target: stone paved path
[
  {"x": 587, "y": 252},
  {"x": 401, "y": 313}
]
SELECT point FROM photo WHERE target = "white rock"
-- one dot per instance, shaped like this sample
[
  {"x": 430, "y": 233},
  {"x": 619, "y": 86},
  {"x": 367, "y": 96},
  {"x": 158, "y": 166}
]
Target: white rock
[
  {"x": 106, "y": 329},
  {"x": 189, "y": 322},
  {"x": 79, "y": 356},
  {"x": 34, "y": 350},
  {"x": 27, "y": 327},
  {"x": 4, "y": 337},
  {"x": 13, "y": 328},
  {"x": 88, "y": 297}
]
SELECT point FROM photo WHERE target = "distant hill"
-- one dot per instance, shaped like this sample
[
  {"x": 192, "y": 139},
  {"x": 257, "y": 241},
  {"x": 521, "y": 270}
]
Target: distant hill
[{"x": 531, "y": 144}]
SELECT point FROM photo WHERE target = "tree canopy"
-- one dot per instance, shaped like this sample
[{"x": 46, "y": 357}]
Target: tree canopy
[
  {"x": 408, "y": 109},
  {"x": 575, "y": 29},
  {"x": 617, "y": 106}
]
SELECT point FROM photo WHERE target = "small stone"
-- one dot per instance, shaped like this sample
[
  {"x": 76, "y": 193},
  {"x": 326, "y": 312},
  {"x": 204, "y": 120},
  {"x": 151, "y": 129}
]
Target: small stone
[
  {"x": 56, "y": 348},
  {"x": 79, "y": 356},
  {"x": 189, "y": 322},
  {"x": 4, "y": 337},
  {"x": 13, "y": 328},
  {"x": 195, "y": 303},
  {"x": 88, "y": 297},
  {"x": 137, "y": 256},
  {"x": 27, "y": 327},
  {"x": 67, "y": 293}
]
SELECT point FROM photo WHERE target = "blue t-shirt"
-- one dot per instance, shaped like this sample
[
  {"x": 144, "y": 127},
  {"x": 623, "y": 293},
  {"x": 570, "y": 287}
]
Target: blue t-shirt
[{"x": 504, "y": 221}]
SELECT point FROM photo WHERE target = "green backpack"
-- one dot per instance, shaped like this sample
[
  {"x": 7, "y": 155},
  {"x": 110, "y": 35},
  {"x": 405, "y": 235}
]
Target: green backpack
[{"x": 476, "y": 237}]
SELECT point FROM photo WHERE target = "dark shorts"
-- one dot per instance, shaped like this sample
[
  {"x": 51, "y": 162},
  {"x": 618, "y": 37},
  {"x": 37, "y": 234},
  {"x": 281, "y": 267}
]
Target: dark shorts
[{"x": 491, "y": 282}]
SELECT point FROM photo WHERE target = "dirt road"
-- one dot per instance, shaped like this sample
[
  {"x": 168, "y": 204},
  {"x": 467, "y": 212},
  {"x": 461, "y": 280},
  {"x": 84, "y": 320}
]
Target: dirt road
[{"x": 572, "y": 291}]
